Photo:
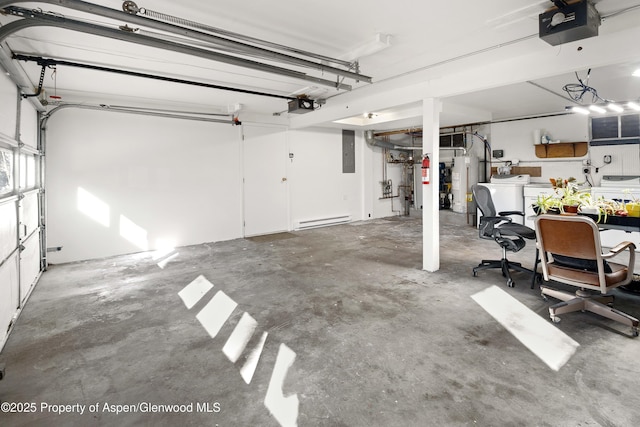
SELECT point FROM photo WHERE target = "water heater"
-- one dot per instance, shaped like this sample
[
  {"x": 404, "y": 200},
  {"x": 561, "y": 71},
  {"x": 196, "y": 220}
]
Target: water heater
[{"x": 464, "y": 174}]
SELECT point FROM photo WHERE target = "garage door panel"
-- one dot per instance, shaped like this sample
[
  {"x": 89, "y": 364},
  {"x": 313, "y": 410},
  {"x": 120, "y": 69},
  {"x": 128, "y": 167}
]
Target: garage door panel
[
  {"x": 29, "y": 214},
  {"x": 8, "y": 294},
  {"x": 8, "y": 228},
  {"x": 29, "y": 264}
]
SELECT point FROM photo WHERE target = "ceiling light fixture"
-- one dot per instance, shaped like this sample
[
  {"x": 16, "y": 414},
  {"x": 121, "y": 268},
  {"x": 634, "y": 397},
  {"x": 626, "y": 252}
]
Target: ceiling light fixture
[
  {"x": 577, "y": 92},
  {"x": 615, "y": 108},
  {"x": 580, "y": 110},
  {"x": 633, "y": 106},
  {"x": 636, "y": 73},
  {"x": 557, "y": 19}
]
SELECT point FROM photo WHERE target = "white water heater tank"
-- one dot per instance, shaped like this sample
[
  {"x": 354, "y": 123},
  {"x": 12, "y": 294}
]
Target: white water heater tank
[{"x": 464, "y": 174}]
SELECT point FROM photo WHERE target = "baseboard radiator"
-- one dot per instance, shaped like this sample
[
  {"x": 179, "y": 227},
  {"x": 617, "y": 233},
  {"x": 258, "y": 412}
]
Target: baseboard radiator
[{"x": 321, "y": 222}]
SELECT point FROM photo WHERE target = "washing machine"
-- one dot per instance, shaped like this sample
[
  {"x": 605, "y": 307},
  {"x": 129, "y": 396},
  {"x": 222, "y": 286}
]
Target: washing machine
[{"x": 507, "y": 192}]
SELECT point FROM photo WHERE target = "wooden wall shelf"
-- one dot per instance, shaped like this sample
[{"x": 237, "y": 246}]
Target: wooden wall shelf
[
  {"x": 561, "y": 149},
  {"x": 534, "y": 171}
]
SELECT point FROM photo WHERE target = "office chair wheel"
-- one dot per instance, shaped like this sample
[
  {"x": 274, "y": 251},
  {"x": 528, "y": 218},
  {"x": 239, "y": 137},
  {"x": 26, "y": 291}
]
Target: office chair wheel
[
  {"x": 544, "y": 297},
  {"x": 555, "y": 319},
  {"x": 511, "y": 283},
  {"x": 634, "y": 332},
  {"x": 475, "y": 273}
]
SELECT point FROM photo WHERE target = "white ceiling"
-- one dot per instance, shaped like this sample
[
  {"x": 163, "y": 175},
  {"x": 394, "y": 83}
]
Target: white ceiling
[{"x": 430, "y": 42}]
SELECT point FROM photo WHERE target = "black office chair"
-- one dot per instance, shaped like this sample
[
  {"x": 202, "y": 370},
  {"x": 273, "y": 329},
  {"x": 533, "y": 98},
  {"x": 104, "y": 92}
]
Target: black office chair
[{"x": 510, "y": 236}]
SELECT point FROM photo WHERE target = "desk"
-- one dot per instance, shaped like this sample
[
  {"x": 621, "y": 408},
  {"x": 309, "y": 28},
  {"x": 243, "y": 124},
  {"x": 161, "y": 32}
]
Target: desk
[{"x": 624, "y": 223}]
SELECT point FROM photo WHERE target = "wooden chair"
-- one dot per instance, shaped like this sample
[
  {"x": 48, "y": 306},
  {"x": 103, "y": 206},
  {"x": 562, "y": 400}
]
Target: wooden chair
[{"x": 570, "y": 253}]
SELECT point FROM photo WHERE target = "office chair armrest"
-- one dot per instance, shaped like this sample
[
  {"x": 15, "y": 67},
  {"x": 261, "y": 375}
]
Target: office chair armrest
[
  {"x": 497, "y": 219},
  {"x": 505, "y": 213},
  {"x": 619, "y": 248}
]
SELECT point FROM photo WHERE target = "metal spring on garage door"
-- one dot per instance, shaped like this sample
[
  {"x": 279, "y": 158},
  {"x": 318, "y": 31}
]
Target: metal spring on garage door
[{"x": 179, "y": 21}]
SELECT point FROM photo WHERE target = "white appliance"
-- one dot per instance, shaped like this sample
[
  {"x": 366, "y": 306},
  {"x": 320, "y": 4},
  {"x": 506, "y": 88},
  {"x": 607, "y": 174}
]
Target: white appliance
[
  {"x": 531, "y": 193},
  {"x": 614, "y": 187},
  {"x": 464, "y": 174},
  {"x": 507, "y": 192}
]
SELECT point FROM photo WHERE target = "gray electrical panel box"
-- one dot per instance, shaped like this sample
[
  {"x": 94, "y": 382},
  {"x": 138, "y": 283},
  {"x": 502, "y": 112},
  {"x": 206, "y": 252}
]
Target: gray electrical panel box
[{"x": 348, "y": 151}]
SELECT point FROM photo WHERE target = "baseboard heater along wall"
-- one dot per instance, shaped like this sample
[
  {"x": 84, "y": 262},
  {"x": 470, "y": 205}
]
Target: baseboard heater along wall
[{"x": 321, "y": 222}]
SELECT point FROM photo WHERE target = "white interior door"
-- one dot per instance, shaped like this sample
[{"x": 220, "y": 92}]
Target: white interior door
[{"x": 265, "y": 180}]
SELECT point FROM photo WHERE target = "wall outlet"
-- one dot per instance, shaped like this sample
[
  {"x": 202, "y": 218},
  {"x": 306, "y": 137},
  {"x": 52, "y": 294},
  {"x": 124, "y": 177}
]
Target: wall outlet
[
  {"x": 607, "y": 159},
  {"x": 586, "y": 162}
]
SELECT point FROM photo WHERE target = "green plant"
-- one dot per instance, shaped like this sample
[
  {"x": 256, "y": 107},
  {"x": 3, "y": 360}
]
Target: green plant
[
  {"x": 571, "y": 195},
  {"x": 562, "y": 183},
  {"x": 546, "y": 202},
  {"x": 599, "y": 206}
]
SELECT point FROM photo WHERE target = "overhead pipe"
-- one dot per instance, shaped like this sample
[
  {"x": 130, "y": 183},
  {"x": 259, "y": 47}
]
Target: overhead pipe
[
  {"x": 372, "y": 141},
  {"x": 197, "y": 35}
]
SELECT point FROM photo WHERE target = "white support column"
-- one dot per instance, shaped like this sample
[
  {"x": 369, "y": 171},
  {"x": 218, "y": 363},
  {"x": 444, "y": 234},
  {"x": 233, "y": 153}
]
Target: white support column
[{"x": 430, "y": 193}]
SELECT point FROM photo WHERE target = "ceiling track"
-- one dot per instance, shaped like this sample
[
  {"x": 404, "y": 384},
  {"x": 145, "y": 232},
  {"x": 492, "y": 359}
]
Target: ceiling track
[
  {"x": 198, "y": 35},
  {"x": 36, "y": 18},
  {"x": 48, "y": 62},
  {"x": 138, "y": 111},
  {"x": 131, "y": 7}
]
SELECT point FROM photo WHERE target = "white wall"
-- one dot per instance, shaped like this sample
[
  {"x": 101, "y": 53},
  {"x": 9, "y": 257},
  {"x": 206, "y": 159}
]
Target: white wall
[
  {"x": 180, "y": 181},
  {"x": 318, "y": 188},
  {"x": 120, "y": 183},
  {"x": 516, "y": 139}
]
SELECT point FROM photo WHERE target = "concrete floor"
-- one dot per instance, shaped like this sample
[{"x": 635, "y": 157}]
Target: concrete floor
[{"x": 377, "y": 341}]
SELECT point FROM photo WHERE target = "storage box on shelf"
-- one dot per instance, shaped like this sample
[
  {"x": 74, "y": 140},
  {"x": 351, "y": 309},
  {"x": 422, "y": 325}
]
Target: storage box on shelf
[{"x": 561, "y": 149}]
